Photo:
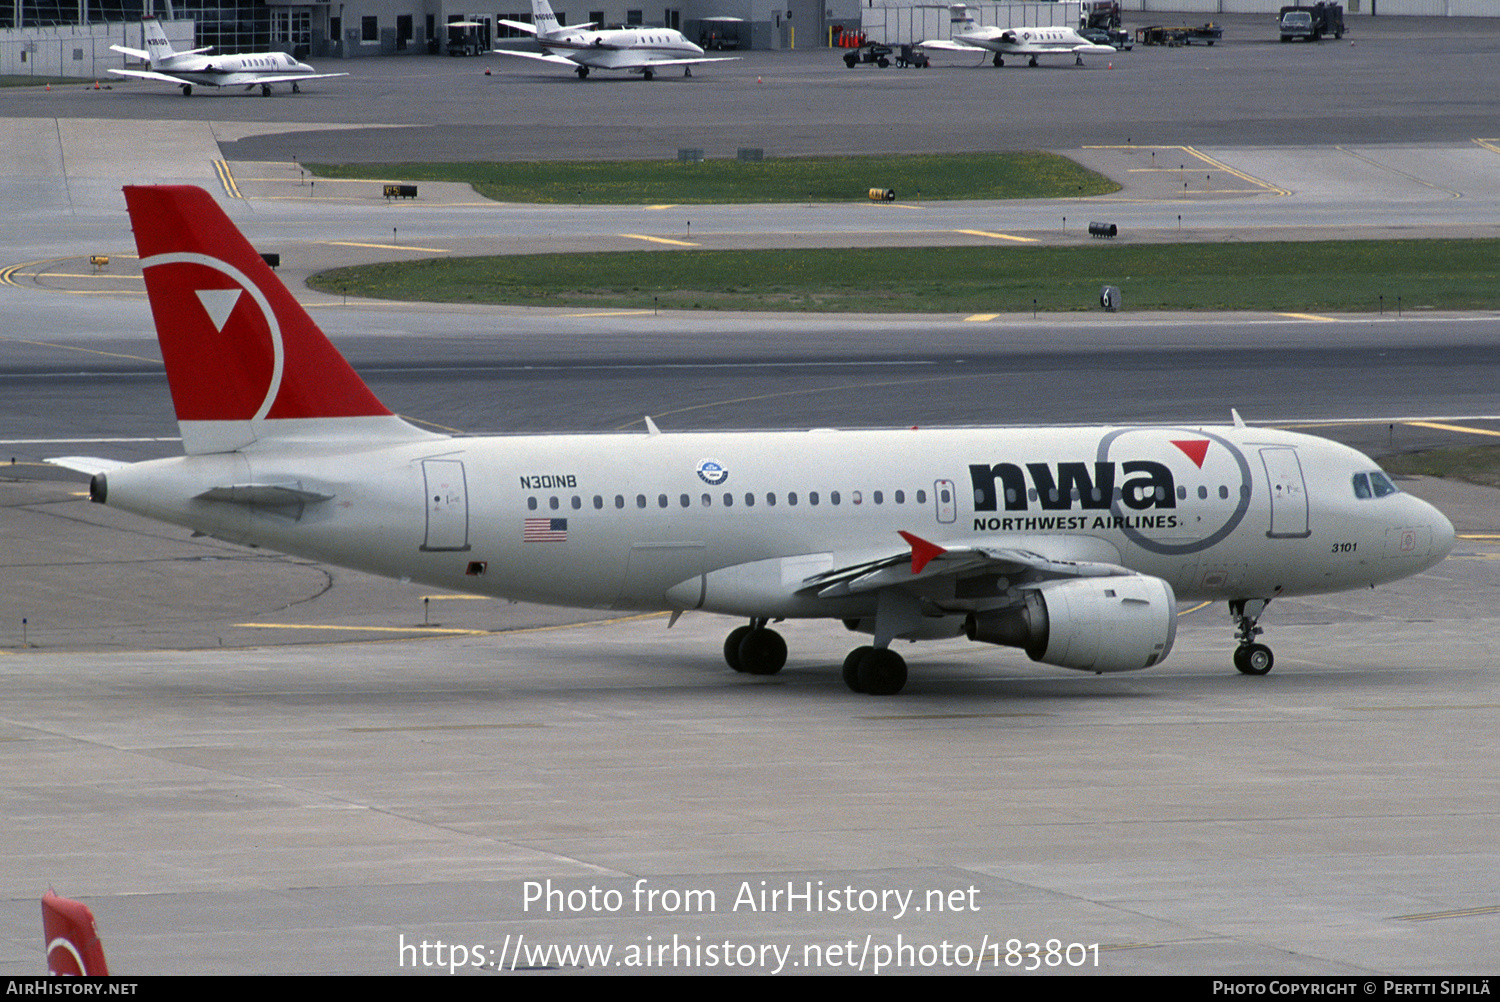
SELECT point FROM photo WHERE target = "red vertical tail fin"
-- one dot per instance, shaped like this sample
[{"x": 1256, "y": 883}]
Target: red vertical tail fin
[
  {"x": 72, "y": 940},
  {"x": 244, "y": 360}
]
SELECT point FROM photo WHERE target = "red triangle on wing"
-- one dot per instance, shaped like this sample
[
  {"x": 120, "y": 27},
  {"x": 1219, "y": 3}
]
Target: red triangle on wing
[
  {"x": 922, "y": 551},
  {"x": 1195, "y": 450}
]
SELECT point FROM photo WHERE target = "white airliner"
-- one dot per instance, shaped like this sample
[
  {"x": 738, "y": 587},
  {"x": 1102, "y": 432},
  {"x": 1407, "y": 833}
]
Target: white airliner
[
  {"x": 193, "y": 69},
  {"x": 1031, "y": 43},
  {"x": 1072, "y": 543},
  {"x": 581, "y": 49}
]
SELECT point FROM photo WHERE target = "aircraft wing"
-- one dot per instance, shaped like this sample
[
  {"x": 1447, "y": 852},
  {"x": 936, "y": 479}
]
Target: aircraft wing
[
  {"x": 133, "y": 53},
  {"x": 944, "y": 45},
  {"x": 654, "y": 63},
  {"x": 925, "y": 560},
  {"x": 151, "y": 75},
  {"x": 248, "y": 80},
  {"x": 539, "y": 57}
]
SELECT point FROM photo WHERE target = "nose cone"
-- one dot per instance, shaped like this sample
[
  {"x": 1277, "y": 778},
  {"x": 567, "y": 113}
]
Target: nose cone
[
  {"x": 1423, "y": 540},
  {"x": 1442, "y": 535},
  {"x": 304, "y": 68}
]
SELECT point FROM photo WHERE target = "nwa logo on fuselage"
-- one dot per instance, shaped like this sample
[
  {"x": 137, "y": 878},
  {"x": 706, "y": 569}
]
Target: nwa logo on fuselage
[{"x": 1143, "y": 484}]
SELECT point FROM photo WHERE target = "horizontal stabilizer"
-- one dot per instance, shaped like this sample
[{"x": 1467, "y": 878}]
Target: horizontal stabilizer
[{"x": 92, "y": 465}]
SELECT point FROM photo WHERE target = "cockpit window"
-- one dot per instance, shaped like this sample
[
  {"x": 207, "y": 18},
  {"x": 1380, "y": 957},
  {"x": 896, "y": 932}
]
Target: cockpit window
[{"x": 1373, "y": 485}]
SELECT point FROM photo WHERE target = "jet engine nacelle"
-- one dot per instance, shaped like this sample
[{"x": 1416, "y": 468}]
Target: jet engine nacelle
[{"x": 1093, "y": 624}]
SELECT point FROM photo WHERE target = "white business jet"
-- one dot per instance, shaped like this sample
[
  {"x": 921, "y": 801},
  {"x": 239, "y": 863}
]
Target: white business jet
[
  {"x": 581, "y": 49},
  {"x": 1071, "y": 543},
  {"x": 1030, "y": 43},
  {"x": 194, "y": 69}
]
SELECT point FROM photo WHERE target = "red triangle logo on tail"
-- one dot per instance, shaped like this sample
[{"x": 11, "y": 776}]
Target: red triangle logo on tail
[{"x": 1194, "y": 450}]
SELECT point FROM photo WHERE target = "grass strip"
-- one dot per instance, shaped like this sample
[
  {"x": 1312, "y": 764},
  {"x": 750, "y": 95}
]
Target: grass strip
[
  {"x": 980, "y": 176},
  {"x": 1477, "y": 464},
  {"x": 1327, "y": 276}
]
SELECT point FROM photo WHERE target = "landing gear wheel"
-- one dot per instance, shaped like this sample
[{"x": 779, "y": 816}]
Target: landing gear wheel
[
  {"x": 1032, "y": 63},
  {"x": 882, "y": 672},
  {"x": 851, "y": 667},
  {"x": 296, "y": 87},
  {"x": 687, "y": 71},
  {"x": 999, "y": 60},
  {"x": 583, "y": 72},
  {"x": 732, "y": 646},
  {"x": 762, "y": 652},
  {"x": 187, "y": 90},
  {"x": 648, "y": 74},
  {"x": 265, "y": 90},
  {"x": 1253, "y": 659}
]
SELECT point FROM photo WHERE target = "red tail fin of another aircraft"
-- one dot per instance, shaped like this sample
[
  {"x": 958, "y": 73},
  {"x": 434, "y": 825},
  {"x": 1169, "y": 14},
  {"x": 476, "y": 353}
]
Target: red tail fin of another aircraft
[
  {"x": 72, "y": 940},
  {"x": 244, "y": 360}
]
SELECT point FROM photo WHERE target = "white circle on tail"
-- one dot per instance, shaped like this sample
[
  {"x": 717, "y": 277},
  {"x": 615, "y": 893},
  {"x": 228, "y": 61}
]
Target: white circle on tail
[{"x": 278, "y": 350}]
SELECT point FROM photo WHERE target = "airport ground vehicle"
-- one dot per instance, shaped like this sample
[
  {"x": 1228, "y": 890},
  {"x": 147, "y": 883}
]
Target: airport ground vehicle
[
  {"x": 1311, "y": 23},
  {"x": 1158, "y": 34},
  {"x": 883, "y": 55},
  {"x": 1114, "y": 37},
  {"x": 873, "y": 52}
]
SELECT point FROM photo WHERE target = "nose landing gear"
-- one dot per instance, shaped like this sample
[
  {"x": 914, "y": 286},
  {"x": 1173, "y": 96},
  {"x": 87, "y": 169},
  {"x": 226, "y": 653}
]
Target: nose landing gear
[{"x": 1250, "y": 658}]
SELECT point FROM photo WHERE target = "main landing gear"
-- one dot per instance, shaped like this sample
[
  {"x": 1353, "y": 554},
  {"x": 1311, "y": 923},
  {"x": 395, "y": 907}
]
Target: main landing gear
[
  {"x": 1250, "y": 657},
  {"x": 265, "y": 90},
  {"x": 583, "y": 72},
  {"x": 999, "y": 60},
  {"x": 187, "y": 90},
  {"x": 875, "y": 671},
  {"x": 755, "y": 650}
]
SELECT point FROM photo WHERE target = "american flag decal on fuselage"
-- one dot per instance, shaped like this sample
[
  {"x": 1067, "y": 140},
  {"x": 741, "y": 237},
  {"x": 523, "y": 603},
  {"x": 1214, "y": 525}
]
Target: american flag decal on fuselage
[{"x": 544, "y": 530}]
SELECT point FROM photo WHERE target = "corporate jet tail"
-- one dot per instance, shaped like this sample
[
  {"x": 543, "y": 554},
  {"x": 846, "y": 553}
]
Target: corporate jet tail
[
  {"x": 245, "y": 362},
  {"x": 158, "y": 51},
  {"x": 543, "y": 18},
  {"x": 71, "y": 939}
]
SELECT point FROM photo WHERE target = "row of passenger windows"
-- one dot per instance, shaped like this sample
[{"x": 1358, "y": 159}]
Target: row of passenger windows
[
  {"x": 1094, "y": 494},
  {"x": 728, "y": 500}
]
